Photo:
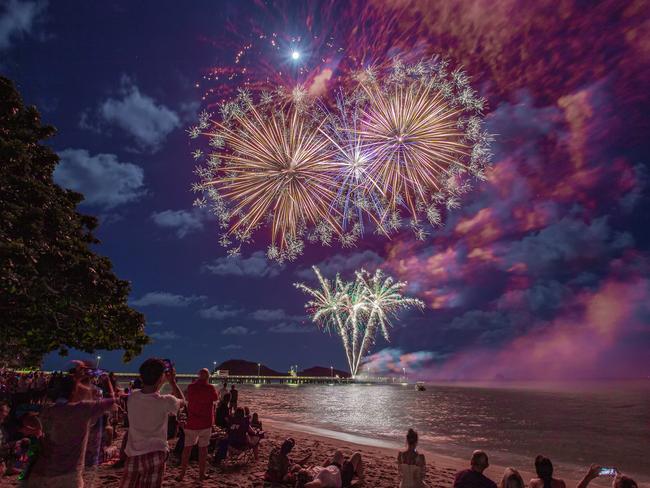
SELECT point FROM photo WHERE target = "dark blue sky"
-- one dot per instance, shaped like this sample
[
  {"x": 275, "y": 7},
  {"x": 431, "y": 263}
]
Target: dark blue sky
[{"x": 553, "y": 248}]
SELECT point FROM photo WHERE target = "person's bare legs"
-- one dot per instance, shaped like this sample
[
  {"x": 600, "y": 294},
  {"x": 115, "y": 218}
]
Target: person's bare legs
[
  {"x": 357, "y": 462},
  {"x": 185, "y": 460},
  {"x": 203, "y": 457}
]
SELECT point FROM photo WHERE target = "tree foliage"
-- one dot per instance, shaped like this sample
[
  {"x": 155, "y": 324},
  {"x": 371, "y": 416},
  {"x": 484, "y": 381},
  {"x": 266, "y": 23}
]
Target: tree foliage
[{"x": 55, "y": 292}]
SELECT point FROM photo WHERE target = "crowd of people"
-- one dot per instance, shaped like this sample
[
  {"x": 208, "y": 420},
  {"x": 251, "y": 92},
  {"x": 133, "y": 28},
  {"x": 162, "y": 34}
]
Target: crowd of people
[{"x": 55, "y": 429}]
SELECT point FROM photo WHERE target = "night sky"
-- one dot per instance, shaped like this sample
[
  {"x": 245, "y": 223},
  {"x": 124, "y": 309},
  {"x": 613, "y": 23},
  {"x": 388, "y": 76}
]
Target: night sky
[{"x": 544, "y": 272}]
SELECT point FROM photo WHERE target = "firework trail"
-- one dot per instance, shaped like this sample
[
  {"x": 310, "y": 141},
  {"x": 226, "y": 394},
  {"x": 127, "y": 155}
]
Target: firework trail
[{"x": 357, "y": 310}]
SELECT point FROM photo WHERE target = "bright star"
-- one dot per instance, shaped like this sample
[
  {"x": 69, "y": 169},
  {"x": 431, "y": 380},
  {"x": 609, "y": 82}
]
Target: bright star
[{"x": 295, "y": 55}]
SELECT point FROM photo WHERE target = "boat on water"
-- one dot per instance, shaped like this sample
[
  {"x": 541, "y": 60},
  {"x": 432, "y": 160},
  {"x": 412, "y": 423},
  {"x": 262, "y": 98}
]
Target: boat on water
[{"x": 419, "y": 386}]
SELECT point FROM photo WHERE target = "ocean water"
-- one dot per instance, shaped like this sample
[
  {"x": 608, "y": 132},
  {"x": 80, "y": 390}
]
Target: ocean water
[{"x": 574, "y": 424}]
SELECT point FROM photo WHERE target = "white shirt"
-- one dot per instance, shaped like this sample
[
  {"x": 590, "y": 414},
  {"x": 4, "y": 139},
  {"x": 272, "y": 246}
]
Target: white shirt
[
  {"x": 330, "y": 476},
  {"x": 148, "y": 413}
]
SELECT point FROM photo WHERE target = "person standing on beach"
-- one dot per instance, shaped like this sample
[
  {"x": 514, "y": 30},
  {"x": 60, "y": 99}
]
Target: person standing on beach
[
  {"x": 473, "y": 477},
  {"x": 234, "y": 394},
  {"x": 148, "y": 414},
  {"x": 201, "y": 396},
  {"x": 223, "y": 391},
  {"x": 60, "y": 461}
]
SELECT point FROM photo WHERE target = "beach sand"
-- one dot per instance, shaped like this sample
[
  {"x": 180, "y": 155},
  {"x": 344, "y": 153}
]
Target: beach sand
[
  {"x": 380, "y": 463},
  {"x": 379, "y": 459}
]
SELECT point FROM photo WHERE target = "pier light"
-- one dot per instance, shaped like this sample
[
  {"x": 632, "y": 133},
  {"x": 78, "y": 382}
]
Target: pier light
[
  {"x": 258, "y": 369},
  {"x": 98, "y": 359}
]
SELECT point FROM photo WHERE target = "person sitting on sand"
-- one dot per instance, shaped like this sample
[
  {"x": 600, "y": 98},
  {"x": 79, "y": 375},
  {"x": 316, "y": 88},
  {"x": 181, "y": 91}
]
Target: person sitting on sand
[
  {"x": 240, "y": 434},
  {"x": 544, "y": 470},
  {"x": 512, "y": 479},
  {"x": 256, "y": 423},
  {"x": 336, "y": 473},
  {"x": 280, "y": 468},
  {"x": 620, "y": 481},
  {"x": 411, "y": 464},
  {"x": 201, "y": 396},
  {"x": 473, "y": 477},
  {"x": 223, "y": 413}
]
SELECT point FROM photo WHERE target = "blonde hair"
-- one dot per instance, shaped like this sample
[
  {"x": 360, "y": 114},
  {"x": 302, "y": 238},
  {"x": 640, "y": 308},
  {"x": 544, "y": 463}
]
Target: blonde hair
[{"x": 511, "y": 479}]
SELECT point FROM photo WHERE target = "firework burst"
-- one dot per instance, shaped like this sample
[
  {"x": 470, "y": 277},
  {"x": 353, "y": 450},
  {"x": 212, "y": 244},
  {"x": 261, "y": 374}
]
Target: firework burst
[
  {"x": 422, "y": 136},
  {"x": 405, "y": 139},
  {"x": 357, "y": 310},
  {"x": 276, "y": 166}
]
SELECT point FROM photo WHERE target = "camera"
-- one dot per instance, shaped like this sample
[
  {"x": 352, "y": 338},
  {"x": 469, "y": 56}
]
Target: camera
[{"x": 169, "y": 365}]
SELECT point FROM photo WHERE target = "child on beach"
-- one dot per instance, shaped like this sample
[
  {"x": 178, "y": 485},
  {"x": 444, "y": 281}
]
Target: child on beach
[{"x": 148, "y": 413}]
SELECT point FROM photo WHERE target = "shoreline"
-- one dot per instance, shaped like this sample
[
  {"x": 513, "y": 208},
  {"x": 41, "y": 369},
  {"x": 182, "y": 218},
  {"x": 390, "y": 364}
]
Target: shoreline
[
  {"x": 380, "y": 460},
  {"x": 435, "y": 460}
]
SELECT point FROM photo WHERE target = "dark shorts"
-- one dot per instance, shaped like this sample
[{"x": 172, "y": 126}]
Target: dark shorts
[{"x": 347, "y": 473}]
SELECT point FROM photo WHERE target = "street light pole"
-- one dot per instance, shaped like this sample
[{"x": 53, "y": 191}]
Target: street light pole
[
  {"x": 97, "y": 364},
  {"x": 404, "y": 371},
  {"x": 258, "y": 369},
  {"x": 331, "y": 371}
]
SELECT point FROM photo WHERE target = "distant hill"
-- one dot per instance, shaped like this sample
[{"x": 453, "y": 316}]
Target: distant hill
[
  {"x": 322, "y": 371},
  {"x": 242, "y": 367}
]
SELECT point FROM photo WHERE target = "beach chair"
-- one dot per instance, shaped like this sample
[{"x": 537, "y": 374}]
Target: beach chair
[{"x": 238, "y": 457}]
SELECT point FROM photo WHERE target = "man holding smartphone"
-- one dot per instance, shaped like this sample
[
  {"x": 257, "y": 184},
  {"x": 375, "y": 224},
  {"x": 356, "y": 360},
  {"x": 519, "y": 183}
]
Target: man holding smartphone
[{"x": 148, "y": 413}]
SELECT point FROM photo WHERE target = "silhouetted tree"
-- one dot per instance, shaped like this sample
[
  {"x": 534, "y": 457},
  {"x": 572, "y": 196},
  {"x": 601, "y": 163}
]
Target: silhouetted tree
[{"x": 55, "y": 292}]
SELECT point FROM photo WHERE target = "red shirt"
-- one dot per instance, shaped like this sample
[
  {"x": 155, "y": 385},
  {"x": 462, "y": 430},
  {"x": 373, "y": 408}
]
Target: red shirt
[{"x": 200, "y": 405}]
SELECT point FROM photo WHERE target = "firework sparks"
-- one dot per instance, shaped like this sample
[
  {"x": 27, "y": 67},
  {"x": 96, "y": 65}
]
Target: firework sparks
[
  {"x": 358, "y": 191},
  {"x": 277, "y": 166},
  {"x": 405, "y": 138},
  {"x": 421, "y": 130},
  {"x": 357, "y": 310},
  {"x": 383, "y": 299}
]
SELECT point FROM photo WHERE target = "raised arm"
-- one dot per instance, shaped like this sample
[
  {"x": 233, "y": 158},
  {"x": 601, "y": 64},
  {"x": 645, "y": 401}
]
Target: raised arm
[
  {"x": 591, "y": 474},
  {"x": 176, "y": 391}
]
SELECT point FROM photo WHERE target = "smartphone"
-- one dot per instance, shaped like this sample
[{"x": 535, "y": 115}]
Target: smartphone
[
  {"x": 169, "y": 364},
  {"x": 607, "y": 472},
  {"x": 96, "y": 372}
]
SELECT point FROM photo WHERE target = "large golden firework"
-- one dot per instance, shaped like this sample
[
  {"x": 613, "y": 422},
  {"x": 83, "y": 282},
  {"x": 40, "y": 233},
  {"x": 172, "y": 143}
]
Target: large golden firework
[
  {"x": 412, "y": 137},
  {"x": 404, "y": 140},
  {"x": 278, "y": 166}
]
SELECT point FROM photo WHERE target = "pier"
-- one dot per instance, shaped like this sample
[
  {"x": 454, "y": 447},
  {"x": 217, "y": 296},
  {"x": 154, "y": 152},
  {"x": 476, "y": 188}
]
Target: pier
[{"x": 279, "y": 379}]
